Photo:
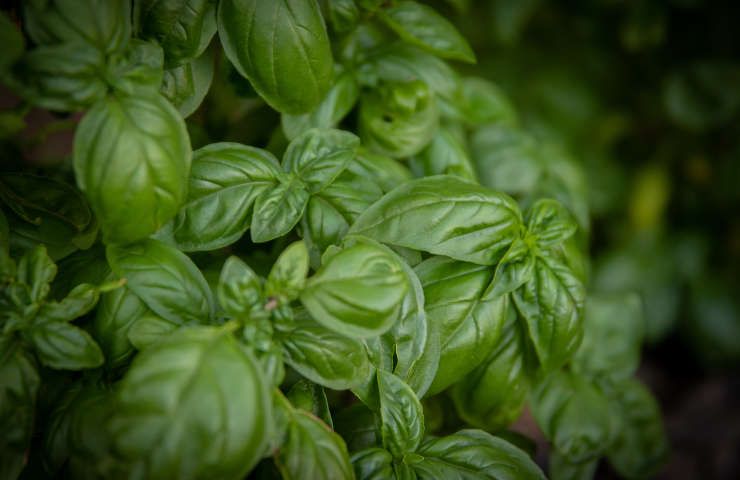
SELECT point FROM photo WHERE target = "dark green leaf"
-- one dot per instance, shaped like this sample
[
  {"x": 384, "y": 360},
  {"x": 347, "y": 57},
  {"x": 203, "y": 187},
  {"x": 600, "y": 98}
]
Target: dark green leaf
[
  {"x": 78, "y": 302},
  {"x": 13, "y": 43},
  {"x": 64, "y": 346},
  {"x": 560, "y": 468},
  {"x": 115, "y": 314},
  {"x": 373, "y": 464},
  {"x": 186, "y": 86},
  {"x": 401, "y": 415},
  {"x": 308, "y": 396},
  {"x": 36, "y": 270}
]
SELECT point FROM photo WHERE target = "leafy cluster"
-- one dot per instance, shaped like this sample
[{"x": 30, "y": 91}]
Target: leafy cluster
[{"x": 212, "y": 304}]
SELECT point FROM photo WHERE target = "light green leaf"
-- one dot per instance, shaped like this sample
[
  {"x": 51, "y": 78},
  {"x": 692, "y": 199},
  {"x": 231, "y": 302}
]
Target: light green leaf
[
  {"x": 317, "y": 157},
  {"x": 445, "y": 155},
  {"x": 288, "y": 275},
  {"x": 278, "y": 210},
  {"x": 36, "y": 270},
  {"x": 239, "y": 288},
  {"x": 401, "y": 415}
]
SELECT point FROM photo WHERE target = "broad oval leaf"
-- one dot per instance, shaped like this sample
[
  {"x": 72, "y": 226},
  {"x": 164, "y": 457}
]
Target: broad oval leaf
[
  {"x": 148, "y": 329},
  {"x": 401, "y": 415},
  {"x": 421, "y": 25},
  {"x": 165, "y": 279},
  {"x": 373, "y": 464},
  {"x": 550, "y": 222},
  {"x": 278, "y": 210},
  {"x": 358, "y": 292},
  {"x": 239, "y": 288},
  {"x": 317, "y": 157},
  {"x": 186, "y": 86},
  {"x": 445, "y": 216},
  {"x": 474, "y": 454},
  {"x": 282, "y": 47},
  {"x": 64, "y": 346},
  {"x": 166, "y": 421},
  {"x": 322, "y": 355},
  {"x": 225, "y": 180},
  {"x": 288, "y": 275},
  {"x": 143, "y": 139}
]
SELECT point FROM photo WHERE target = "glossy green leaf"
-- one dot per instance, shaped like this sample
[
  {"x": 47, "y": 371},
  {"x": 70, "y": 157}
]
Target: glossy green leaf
[
  {"x": 322, "y": 355},
  {"x": 36, "y": 270},
  {"x": 115, "y": 314},
  {"x": 445, "y": 216},
  {"x": 373, "y": 464},
  {"x": 317, "y": 157},
  {"x": 337, "y": 103},
  {"x": 469, "y": 326},
  {"x": 514, "y": 270},
  {"x": 474, "y": 454},
  {"x": 278, "y": 210},
  {"x": 165, "y": 421},
  {"x": 401, "y": 415},
  {"x": 642, "y": 447},
  {"x": 282, "y": 48},
  {"x": 184, "y": 28},
  {"x": 64, "y": 346},
  {"x": 550, "y": 223},
  {"x": 421, "y": 25},
  {"x": 356, "y": 424},
  {"x": 551, "y": 304},
  {"x": 573, "y": 414},
  {"x": 357, "y": 292},
  {"x": 288, "y": 276},
  {"x": 239, "y": 288},
  {"x": 225, "y": 180},
  {"x": 165, "y": 279},
  {"x": 186, "y": 86},
  {"x": 321, "y": 226},
  {"x": 308, "y": 396},
  {"x": 78, "y": 302},
  {"x": 136, "y": 69},
  {"x": 144, "y": 140}
]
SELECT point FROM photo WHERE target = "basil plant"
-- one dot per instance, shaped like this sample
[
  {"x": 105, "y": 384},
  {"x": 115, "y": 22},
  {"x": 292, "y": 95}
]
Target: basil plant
[{"x": 290, "y": 240}]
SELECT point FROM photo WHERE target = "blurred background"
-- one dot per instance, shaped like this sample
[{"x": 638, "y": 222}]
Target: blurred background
[{"x": 644, "y": 97}]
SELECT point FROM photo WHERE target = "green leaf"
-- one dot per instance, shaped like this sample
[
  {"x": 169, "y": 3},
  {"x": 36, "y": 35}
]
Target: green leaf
[
  {"x": 143, "y": 139},
  {"x": 312, "y": 450},
  {"x": 65, "y": 346},
  {"x": 78, "y": 302},
  {"x": 560, "y": 468},
  {"x": 551, "y": 304},
  {"x": 444, "y": 215},
  {"x": 445, "y": 155},
  {"x": 613, "y": 330},
  {"x": 507, "y": 159},
  {"x": 337, "y": 103},
  {"x": 514, "y": 270},
  {"x": 356, "y": 424},
  {"x": 421, "y": 25},
  {"x": 19, "y": 385},
  {"x": 186, "y": 86},
  {"x": 318, "y": 157},
  {"x": 288, "y": 275},
  {"x": 398, "y": 119},
  {"x": 148, "y": 329},
  {"x": 322, "y": 355},
  {"x": 282, "y": 48},
  {"x": 479, "y": 102},
  {"x": 322, "y": 225},
  {"x": 104, "y": 24},
  {"x": 36, "y": 270},
  {"x": 469, "y": 325},
  {"x": 642, "y": 447},
  {"x": 308, "y": 396},
  {"x": 401, "y": 415},
  {"x": 136, "y": 69},
  {"x": 225, "y": 180},
  {"x": 386, "y": 172},
  {"x": 550, "y": 223},
  {"x": 493, "y": 395},
  {"x": 358, "y": 292},
  {"x": 165, "y": 279},
  {"x": 239, "y": 288},
  {"x": 373, "y": 464},
  {"x": 343, "y": 15},
  {"x": 278, "y": 210},
  {"x": 184, "y": 28},
  {"x": 474, "y": 454},
  {"x": 115, "y": 314},
  {"x": 179, "y": 412},
  {"x": 574, "y": 415}
]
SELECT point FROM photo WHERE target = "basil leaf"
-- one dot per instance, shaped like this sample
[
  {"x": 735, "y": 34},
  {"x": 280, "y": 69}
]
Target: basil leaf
[
  {"x": 104, "y": 24},
  {"x": 507, "y": 159},
  {"x": 186, "y": 86},
  {"x": 225, "y": 180},
  {"x": 398, "y": 119},
  {"x": 151, "y": 179},
  {"x": 476, "y": 454},
  {"x": 386, "y": 172},
  {"x": 278, "y": 210},
  {"x": 165, "y": 422},
  {"x": 19, "y": 385},
  {"x": 184, "y": 28},
  {"x": 479, "y": 102},
  {"x": 165, "y": 279},
  {"x": 288, "y": 275},
  {"x": 337, "y": 103},
  {"x": 351, "y": 194},
  {"x": 305, "y": 395},
  {"x": 36, "y": 270},
  {"x": 445, "y": 155},
  {"x": 239, "y": 288},
  {"x": 513, "y": 270},
  {"x": 148, "y": 329},
  {"x": 421, "y": 25},
  {"x": 78, "y": 302},
  {"x": 570, "y": 412},
  {"x": 444, "y": 215},
  {"x": 401, "y": 415},
  {"x": 560, "y": 468},
  {"x": 469, "y": 325},
  {"x": 137, "y": 68},
  {"x": 613, "y": 329},
  {"x": 356, "y": 424},
  {"x": 282, "y": 48},
  {"x": 317, "y": 157},
  {"x": 358, "y": 292},
  {"x": 115, "y": 314},
  {"x": 312, "y": 450},
  {"x": 642, "y": 447},
  {"x": 493, "y": 395},
  {"x": 322, "y": 355},
  {"x": 373, "y": 464},
  {"x": 322, "y": 225},
  {"x": 64, "y": 346},
  {"x": 343, "y": 15},
  {"x": 551, "y": 303},
  {"x": 550, "y": 223}
]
